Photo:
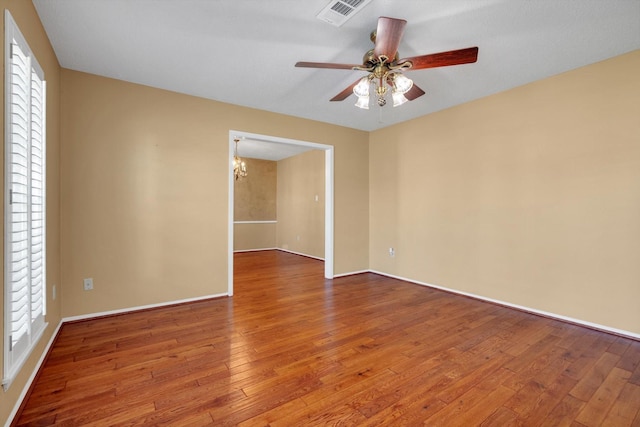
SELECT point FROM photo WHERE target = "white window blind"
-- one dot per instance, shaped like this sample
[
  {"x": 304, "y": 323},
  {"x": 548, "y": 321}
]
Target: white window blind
[{"x": 25, "y": 267}]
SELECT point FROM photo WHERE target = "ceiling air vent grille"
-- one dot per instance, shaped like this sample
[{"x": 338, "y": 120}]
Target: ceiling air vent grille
[{"x": 340, "y": 11}]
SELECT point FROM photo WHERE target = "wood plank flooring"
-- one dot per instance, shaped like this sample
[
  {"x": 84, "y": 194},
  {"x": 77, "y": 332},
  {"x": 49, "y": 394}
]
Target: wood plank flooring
[{"x": 293, "y": 349}]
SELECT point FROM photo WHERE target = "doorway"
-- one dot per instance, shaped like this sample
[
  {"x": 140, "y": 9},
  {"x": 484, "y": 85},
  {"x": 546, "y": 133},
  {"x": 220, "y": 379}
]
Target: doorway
[{"x": 263, "y": 141}]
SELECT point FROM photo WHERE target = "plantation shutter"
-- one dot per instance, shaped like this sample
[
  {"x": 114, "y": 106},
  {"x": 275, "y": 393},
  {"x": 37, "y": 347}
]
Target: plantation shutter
[
  {"x": 37, "y": 213},
  {"x": 25, "y": 267}
]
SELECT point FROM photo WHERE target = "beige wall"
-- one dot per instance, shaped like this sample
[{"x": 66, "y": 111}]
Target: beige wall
[
  {"x": 531, "y": 196},
  {"x": 301, "y": 219},
  {"x": 254, "y": 201},
  {"x": 254, "y": 196},
  {"x": 253, "y": 236},
  {"x": 26, "y": 18},
  {"x": 145, "y": 190}
]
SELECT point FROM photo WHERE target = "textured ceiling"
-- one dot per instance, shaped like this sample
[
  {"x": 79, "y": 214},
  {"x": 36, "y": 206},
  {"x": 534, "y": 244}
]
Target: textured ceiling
[{"x": 243, "y": 51}]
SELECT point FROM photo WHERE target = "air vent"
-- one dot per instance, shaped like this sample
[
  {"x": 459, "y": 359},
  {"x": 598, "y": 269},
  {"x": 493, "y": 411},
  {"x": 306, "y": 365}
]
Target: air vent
[{"x": 340, "y": 11}]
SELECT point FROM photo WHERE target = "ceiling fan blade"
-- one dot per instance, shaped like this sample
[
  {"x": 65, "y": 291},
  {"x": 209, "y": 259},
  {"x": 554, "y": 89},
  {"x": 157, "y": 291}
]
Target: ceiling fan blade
[
  {"x": 326, "y": 65},
  {"x": 443, "y": 59},
  {"x": 388, "y": 35},
  {"x": 345, "y": 93},
  {"x": 414, "y": 92}
]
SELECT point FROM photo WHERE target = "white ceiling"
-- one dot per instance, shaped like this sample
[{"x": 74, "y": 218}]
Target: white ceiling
[
  {"x": 243, "y": 51},
  {"x": 267, "y": 148}
]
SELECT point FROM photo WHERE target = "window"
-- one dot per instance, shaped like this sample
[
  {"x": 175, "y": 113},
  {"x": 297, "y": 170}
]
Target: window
[{"x": 24, "y": 212}]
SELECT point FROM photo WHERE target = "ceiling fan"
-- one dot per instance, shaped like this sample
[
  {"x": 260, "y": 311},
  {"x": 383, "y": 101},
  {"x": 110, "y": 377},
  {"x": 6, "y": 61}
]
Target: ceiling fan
[{"x": 386, "y": 68}]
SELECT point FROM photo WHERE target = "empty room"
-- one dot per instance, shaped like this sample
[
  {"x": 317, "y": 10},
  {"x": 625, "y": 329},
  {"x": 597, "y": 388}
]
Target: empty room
[{"x": 347, "y": 212}]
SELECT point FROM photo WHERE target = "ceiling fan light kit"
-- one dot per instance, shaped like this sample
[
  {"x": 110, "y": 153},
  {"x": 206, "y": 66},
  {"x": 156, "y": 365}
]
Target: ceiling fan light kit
[
  {"x": 398, "y": 99},
  {"x": 382, "y": 78},
  {"x": 362, "y": 88},
  {"x": 401, "y": 84},
  {"x": 363, "y": 102},
  {"x": 386, "y": 69}
]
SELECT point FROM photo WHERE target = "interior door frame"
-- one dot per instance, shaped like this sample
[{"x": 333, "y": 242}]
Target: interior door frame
[{"x": 328, "y": 205}]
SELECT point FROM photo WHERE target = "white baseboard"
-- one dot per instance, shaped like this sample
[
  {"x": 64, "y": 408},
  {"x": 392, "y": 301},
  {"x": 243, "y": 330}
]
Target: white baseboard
[
  {"x": 352, "y": 273},
  {"x": 138, "y": 308},
  {"x": 520, "y": 307},
  {"x": 27, "y": 386},
  {"x": 300, "y": 253},
  {"x": 253, "y": 250},
  {"x": 277, "y": 249}
]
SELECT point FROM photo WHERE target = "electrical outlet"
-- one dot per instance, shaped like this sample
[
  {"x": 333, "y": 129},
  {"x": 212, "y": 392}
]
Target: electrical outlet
[
  {"x": 88, "y": 284},
  {"x": 392, "y": 252},
  {"x": 53, "y": 292}
]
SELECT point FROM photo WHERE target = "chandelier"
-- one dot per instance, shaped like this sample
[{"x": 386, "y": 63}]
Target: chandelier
[
  {"x": 239, "y": 166},
  {"x": 382, "y": 79}
]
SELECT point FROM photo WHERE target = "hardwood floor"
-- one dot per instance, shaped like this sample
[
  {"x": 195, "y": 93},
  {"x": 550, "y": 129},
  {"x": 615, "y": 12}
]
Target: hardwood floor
[{"x": 293, "y": 349}]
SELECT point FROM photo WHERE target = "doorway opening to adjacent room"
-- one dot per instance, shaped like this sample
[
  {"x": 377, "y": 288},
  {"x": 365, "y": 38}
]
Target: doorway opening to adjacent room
[{"x": 264, "y": 142}]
